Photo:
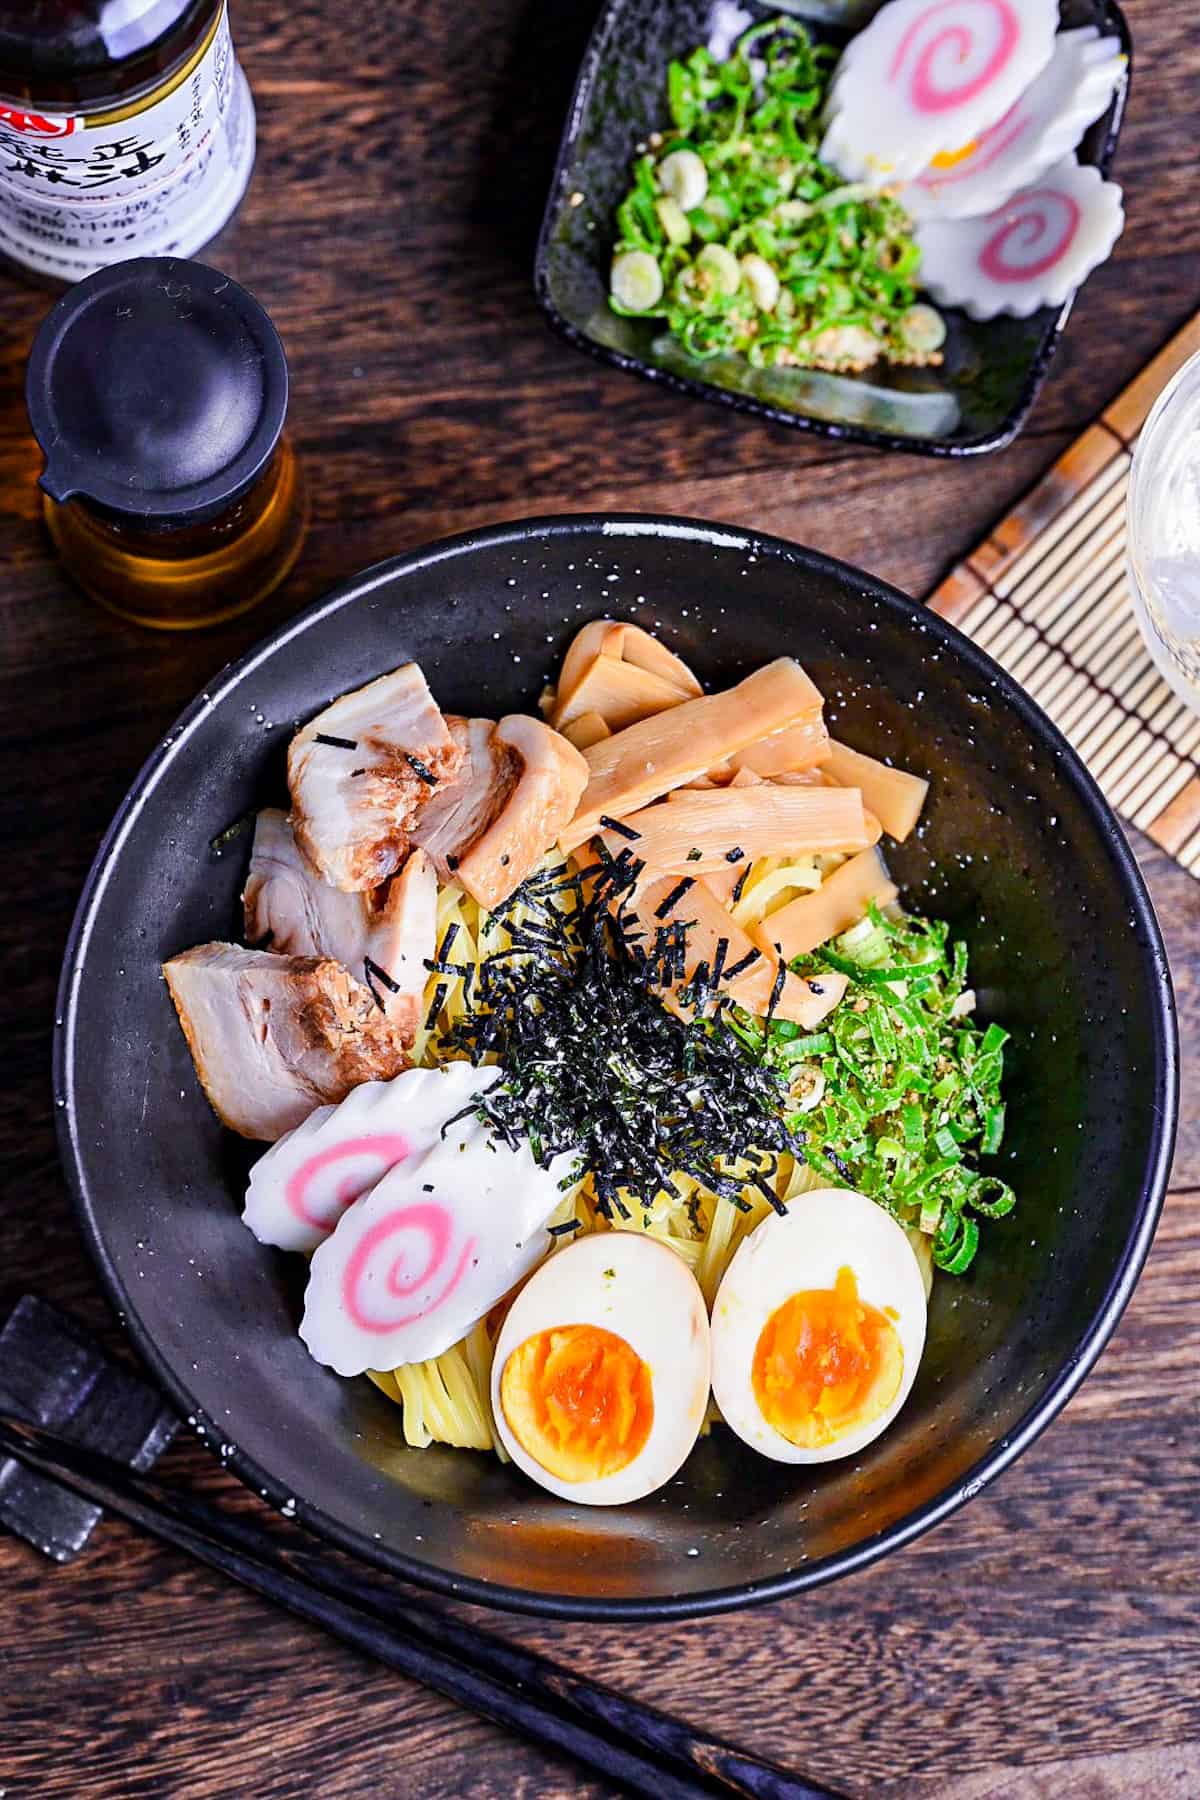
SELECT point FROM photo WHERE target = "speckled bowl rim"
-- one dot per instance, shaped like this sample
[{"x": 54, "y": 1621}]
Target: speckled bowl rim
[
  {"x": 1164, "y": 1098},
  {"x": 834, "y": 430}
]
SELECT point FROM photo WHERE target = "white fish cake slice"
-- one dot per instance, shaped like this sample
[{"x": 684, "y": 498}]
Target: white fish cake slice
[
  {"x": 1043, "y": 127},
  {"x": 300, "y": 1189},
  {"x": 1033, "y": 251},
  {"x": 927, "y": 76},
  {"x": 417, "y": 1261}
]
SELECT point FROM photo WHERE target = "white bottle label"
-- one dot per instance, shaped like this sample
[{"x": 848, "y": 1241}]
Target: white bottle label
[{"x": 77, "y": 192}]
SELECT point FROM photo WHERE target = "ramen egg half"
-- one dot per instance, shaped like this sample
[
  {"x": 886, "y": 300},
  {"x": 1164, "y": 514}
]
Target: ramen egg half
[{"x": 818, "y": 1328}]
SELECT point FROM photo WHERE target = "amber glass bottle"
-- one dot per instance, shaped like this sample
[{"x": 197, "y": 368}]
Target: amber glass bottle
[
  {"x": 126, "y": 127},
  {"x": 158, "y": 391}
]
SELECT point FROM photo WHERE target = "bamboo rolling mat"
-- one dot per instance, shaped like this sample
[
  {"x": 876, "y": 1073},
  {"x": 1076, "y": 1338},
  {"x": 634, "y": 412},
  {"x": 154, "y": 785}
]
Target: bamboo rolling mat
[{"x": 1046, "y": 596}]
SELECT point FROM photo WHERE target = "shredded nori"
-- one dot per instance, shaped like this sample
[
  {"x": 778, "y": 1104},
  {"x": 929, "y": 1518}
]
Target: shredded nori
[
  {"x": 620, "y": 828},
  {"x": 674, "y": 897},
  {"x": 372, "y": 968},
  {"x": 596, "y": 1066},
  {"x": 436, "y": 1004},
  {"x": 336, "y": 743},
  {"x": 420, "y": 769},
  {"x": 745, "y": 962}
]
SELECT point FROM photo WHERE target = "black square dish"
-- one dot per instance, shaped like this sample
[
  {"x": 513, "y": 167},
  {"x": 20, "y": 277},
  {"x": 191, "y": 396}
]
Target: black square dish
[{"x": 977, "y": 401}]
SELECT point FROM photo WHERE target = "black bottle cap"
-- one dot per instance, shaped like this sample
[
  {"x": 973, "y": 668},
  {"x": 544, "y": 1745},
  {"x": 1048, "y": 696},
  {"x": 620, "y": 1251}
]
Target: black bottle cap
[{"x": 157, "y": 390}]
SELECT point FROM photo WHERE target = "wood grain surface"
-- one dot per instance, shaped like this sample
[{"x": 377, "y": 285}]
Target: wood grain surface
[{"x": 1043, "y": 1643}]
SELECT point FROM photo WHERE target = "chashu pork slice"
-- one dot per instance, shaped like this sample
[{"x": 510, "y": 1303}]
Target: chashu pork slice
[
  {"x": 362, "y": 772},
  {"x": 519, "y": 784},
  {"x": 383, "y": 938},
  {"x": 273, "y": 1037},
  {"x": 289, "y": 909},
  {"x": 463, "y": 809},
  {"x": 402, "y": 940}
]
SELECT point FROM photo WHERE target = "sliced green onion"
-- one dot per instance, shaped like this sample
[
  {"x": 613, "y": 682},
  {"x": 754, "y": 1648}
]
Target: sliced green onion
[
  {"x": 762, "y": 281},
  {"x": 993, "y": 1129},
  {"x": 912, "y": 1124},
  {"x": 947, "y": 1144},
  {"x": 957, "y": 1254},
  {"x": 673, "y": 220},
  {"x": 722, "y": 268},
  {"x": 636, "y": 282},
  {"x": 998, "y": 1208},
  {"x": 683, "y": 176}
]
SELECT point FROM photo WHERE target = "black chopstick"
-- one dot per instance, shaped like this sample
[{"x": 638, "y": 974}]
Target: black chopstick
[{"x": 639, "y": 1748}]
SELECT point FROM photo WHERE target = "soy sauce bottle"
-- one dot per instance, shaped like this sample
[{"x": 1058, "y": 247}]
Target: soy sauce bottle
[
  {"x": 126, "y": 129},
  {"x": 157, "y": 390}
]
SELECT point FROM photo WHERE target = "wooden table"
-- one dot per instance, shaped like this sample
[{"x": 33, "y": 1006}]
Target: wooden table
[{"x": 1047, "y": 1640}]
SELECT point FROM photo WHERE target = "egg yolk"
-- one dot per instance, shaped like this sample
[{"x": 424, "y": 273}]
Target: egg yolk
[
  {"x": 579, "y": 1400},
  {"x": 825, "y": 1364},
  {"x": 950, "y": 159}
]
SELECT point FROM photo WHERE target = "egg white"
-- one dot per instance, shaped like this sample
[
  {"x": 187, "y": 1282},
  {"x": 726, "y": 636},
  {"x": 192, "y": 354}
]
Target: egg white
[
  {"x": 637, "y": 1288},
  {"x": 822, "y": 1232}
]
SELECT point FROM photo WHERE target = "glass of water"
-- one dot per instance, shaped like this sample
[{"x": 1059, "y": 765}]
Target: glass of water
[{"x": 1164, "y": 532}]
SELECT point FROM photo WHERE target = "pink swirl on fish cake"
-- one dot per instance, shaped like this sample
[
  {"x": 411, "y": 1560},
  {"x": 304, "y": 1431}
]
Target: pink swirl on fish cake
[
  {"x": 380, "y": 1151},
  {"x": 424, "y": 1221},
  {"x": 954, "y": 40},
  {"x": 1044, "y": 214}
]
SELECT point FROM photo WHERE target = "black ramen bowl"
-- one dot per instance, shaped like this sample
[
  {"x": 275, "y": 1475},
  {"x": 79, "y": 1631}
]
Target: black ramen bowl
[
  {"x": 1019, "y": 851},
  {"x": 993, "y": 370}
]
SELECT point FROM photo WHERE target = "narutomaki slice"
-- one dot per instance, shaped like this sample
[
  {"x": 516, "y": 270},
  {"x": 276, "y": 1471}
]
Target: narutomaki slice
[
  {"x": 647, "y": 760},
  {"x": 698, "y": 831},
  {"x": 712, "y": 938},
  {"x": 840, "y": 902},
  {"x": 893, "y": 795}
]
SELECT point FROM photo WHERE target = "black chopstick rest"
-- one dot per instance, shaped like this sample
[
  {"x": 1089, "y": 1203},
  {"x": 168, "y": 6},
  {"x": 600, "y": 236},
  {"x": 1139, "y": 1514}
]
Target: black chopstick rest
[{"x": 54, "y": 1373}]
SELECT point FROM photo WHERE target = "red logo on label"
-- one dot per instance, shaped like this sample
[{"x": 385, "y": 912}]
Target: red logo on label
[{"x": 35, "y": 124}]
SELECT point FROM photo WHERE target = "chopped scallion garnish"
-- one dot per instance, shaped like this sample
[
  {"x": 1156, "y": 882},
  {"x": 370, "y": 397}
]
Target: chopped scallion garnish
[{"x": 911, "y": 1093}]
